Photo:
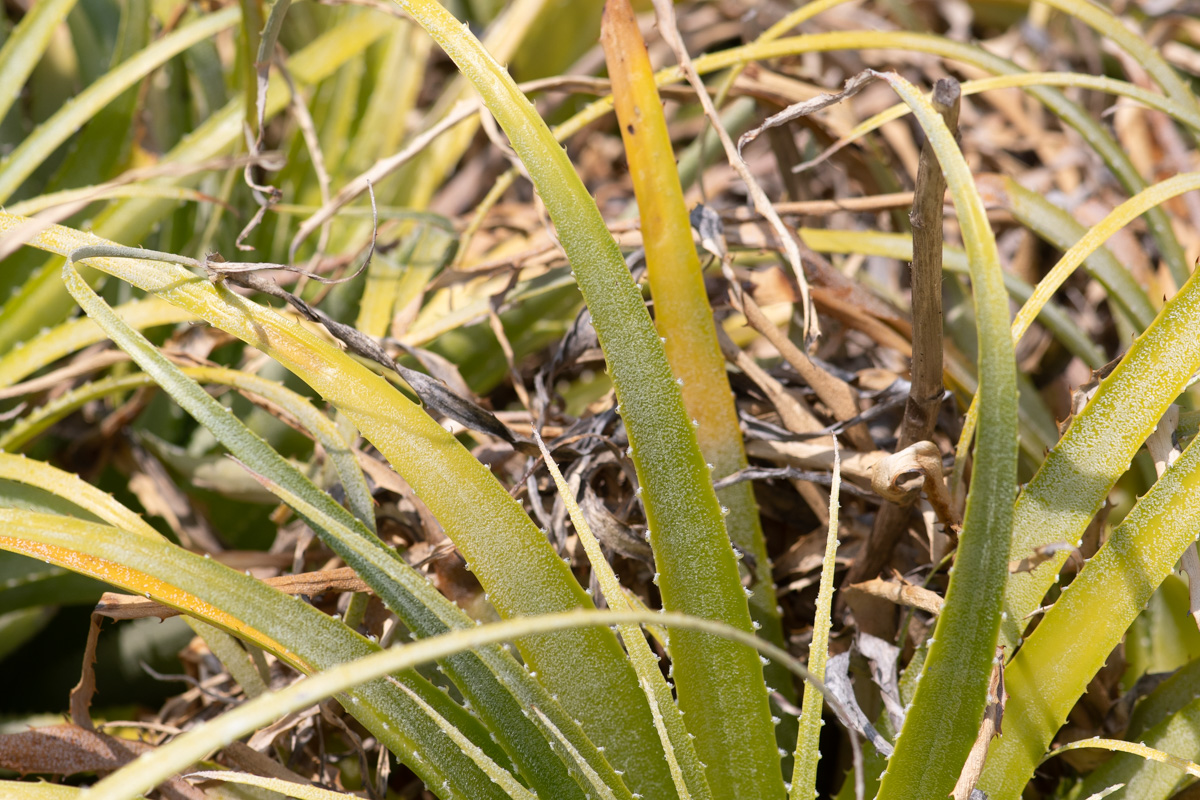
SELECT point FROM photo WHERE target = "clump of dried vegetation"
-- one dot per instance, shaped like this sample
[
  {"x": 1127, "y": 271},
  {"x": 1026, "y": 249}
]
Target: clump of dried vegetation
[{"x": 605, "y": 433}]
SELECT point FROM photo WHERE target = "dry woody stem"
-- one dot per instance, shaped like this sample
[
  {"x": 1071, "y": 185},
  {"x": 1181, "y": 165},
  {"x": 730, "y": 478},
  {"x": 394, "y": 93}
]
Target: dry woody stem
[{"x": 926, "y": 390}]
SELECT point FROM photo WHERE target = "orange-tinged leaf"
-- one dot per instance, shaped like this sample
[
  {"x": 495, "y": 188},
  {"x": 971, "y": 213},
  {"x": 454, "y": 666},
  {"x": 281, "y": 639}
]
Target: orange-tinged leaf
[
  {"x": 682, "y": 312},
  {"x": 508, "y": 554},
  {"x": 134, "y": 581},
  {"x": 681, "y": 306}
]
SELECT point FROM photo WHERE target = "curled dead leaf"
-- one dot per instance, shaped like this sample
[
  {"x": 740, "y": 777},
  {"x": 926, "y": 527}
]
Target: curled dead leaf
[{"x": 891, "y": 479}]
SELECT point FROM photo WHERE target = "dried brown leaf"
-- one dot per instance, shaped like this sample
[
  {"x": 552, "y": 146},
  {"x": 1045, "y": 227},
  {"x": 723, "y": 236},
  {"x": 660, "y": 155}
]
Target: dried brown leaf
[
  {"x": 82, "y": 693},
  {"x": 990, "y": 728},
  {"x": 902, "y": 594},
  {"x": 69, "y": 749}
]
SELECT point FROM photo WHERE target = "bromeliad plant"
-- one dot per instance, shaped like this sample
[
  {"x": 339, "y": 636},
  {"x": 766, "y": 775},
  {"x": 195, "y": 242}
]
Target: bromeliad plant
[{"x": 581, "y": 709}]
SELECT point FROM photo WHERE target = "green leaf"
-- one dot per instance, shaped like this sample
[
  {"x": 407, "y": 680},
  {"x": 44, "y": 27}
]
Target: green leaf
[
  {"x": 97, "y": 151},
  {"x": 41, "y": 301},
  {"x": 1169, "y": 697},
  {"x": 503, "y": 693},
  {"x": 1147, "y": 55},
  {"x": 1070, "y": 113},
  {"x": 47, "y": 347},
  {"x": 23, "y": 790},
  {"x": 719, "y": 684},
  {"x": 1179, "y": 735},
  {"x": 1166, "y": 719},
  {"x": 1071, "y": 643},
  {"x": 87, "y": 499},
  {"x": 681, "y": 310},
  {"x": 295, "y": 631},
  {"x": 25, "y": 45},
  {"x": 513, "y": 560},
  {"x": 276, "y": 785},
  {"x": 490, "y": 688},
  {"x": 323, "y": 430},
  {"x": 808, "y": 740},
  {"x": 1069, "y": 488},
  {"x": 1058, "y": 227},
  {"x": 686, "y": 770},
  {"x": 198, "y": 742},
  {"x": 944, "y": 717},
  {"x": 39, "y": 144}
]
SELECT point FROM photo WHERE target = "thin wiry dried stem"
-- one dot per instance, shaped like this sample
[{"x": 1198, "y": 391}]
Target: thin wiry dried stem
[{"x": 791, "y": 247}]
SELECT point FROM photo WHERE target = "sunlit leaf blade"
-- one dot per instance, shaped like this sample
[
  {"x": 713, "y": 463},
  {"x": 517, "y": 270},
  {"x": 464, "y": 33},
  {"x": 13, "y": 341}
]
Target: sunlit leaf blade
[
  {"x": 681, "y": 309},
  {"x": 25, "y": 46},
  {"x": 1151, "y": 197},
  {"x": 502, "y": 777},
  {"x": 512, "y": 559},
  {"x": 1070, "y": 113},
  {"x": 1133, "y": 748},
  {"x": 944, "y": 718},
  {"x": 1101, "y": 83},
  {"x": 686, "y": 770},
  {"x": 89, "y": 503},
  {"x": 47, "y": 347},
  {"x": 196, "y": 743},
  {"x": 285, "y": 788},
  {"x": 720, "y": 685},
  {"x": 419, "y": 605},
  {"x": 1179, "y": 735},
  {"x": 97, "y": 150},
  {"x": 322, "y": 429},
  {"x": 503, "y": 40},
  {"x": 20, "y": 790},
  {"x": 394, "y": 93},
  {"x": 41, "y": 300},
  {"x": 99, "y": 505},
  {"x": 1058, "y": 227},
  {"x": 1119, "y": 579},
  {"x": 76, "y": 495},
  {"x": 899, "y": 246},
  {"x": 1147, "y": 55},
  {"x": 1097, "y": 448},
  {"x": 21, "y": 162},
  {"x": 590, "y": 778},
  {"x": 502, "y": 692},
  {"x": 808, "y": 740},
  {"x": 288, "y": 627}
]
